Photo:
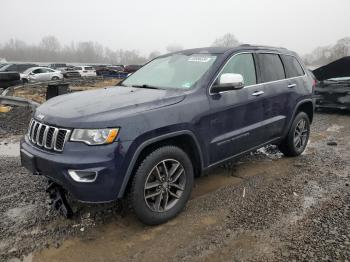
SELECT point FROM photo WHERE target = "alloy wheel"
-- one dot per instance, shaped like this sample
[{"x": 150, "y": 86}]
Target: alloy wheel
[
  {"x": 301, "y": 134},
  {"x": 164, "y": 185}
]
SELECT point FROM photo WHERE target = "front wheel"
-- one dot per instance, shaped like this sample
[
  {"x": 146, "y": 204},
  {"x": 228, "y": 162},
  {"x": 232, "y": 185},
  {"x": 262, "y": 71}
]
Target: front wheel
[
  {"x": 54, "y": 78},
  {"x": 298, "y": 136},
  {"x": 161, "y": 185}
]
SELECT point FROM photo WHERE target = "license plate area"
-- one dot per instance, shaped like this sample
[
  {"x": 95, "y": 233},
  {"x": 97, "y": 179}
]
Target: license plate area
[{"x": 28, "y": 161}]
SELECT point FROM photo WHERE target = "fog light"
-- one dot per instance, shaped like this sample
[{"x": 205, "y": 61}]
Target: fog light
[{"x": 83, "y": 176}]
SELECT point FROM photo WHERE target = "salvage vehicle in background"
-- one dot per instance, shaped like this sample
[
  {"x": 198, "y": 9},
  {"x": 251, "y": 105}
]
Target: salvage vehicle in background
[
  {"x": 111, "y": 71},
  {"x": 58, "y": 66},
  {"x": 333, "y": 90},
  {"x": 70, "y": 72},
  {"x": 178, "y": 116},
  {"x": 132, "y": 68},
  {"x": 8, "y": 79},
  {"x": 20, "y": 68},
  {"x": 40, "y": 74},
  {"x": 85, "y": 71}
]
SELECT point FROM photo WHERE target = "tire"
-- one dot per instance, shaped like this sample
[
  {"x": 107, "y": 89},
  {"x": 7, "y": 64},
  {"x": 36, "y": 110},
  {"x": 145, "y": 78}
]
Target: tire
[
  {"x": 25, "y": 81},
  {"x": 167, "y": 200},
  {"x": 55, "y": 78},
  {"x": 291, "y": 146}
]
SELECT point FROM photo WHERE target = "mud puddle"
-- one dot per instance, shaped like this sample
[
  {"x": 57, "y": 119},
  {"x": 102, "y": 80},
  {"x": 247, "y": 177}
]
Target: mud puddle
[
  {"x": 9, "y": 147},
  {"x": 127, "y": 239}
]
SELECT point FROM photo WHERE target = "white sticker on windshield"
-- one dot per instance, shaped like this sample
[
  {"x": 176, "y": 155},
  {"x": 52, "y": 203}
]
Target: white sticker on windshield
[{"x": 201, "y": 59}]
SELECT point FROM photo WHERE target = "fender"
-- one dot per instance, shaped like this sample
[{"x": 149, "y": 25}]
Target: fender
[
  {"x": 294, "y": 113},
  {"x": 152, "y": 141}
]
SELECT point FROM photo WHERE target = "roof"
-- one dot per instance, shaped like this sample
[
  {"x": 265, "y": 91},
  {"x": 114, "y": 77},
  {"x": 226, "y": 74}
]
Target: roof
[{"x": 221, "y": 50}]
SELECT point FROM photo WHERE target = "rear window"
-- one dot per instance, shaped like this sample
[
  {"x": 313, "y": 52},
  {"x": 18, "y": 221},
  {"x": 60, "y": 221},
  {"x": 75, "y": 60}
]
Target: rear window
[
  {"x": 293, "y": 67},
  {"x": 271, "y": 67}
]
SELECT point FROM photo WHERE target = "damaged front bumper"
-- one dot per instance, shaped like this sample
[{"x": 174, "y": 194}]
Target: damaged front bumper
[{"x": 104, "y": 161}]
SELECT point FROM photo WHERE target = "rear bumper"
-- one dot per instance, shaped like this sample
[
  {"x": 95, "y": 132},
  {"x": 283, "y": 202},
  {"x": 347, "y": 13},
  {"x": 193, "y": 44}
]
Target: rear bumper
[{"x": 106, "y": 160}]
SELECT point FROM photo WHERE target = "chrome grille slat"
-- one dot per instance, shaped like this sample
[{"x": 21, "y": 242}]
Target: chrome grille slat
[
  {"x": 37, "y": 134},
  {"x": 45, "y": 136}
]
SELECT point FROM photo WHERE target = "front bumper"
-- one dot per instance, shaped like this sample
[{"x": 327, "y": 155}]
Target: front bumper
[{"x": 107, "y": 160}]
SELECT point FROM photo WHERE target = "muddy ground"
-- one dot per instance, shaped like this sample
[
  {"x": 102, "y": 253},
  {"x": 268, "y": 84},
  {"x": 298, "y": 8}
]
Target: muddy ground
[{"x": 264, "y": 207}]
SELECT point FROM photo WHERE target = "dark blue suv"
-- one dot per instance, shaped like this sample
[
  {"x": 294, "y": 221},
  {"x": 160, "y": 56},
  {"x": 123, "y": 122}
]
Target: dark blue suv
[{"x": 179, "y": 115}]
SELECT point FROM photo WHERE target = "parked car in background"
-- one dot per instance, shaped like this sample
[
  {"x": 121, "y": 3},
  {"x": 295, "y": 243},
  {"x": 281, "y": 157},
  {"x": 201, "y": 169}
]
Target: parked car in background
[
  {"x": 132, "y": 68},
  {"x": 20, "y": 68},
  {"x": 57, "y": 66},
  {"x": 70, "y": 72},
  {"x": 333, "y": 88},
  {"x": 8, "y": 79},
  {"x": 85, "y": 71},
  {"x": 111, "y": 71},
  {"x": 175, "y": 118},
  {"x": 40, "y": 74}
]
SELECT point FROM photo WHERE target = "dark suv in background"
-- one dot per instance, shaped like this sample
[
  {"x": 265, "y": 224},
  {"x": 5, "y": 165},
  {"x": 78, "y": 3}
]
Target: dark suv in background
[{"x": 173, "y": 119}]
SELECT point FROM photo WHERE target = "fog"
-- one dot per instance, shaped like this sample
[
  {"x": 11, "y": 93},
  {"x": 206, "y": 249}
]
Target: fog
[{"x": 152, "y": 25}]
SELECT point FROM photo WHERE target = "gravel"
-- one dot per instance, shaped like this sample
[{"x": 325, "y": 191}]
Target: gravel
[{"x": 14, "y": 122}]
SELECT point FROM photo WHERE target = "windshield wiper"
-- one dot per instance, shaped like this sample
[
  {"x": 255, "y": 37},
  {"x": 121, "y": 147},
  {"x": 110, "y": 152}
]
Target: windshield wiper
[{"x": 146, "y": 86}]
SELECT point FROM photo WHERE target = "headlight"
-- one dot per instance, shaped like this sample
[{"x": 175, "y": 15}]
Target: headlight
[{"x": 95, "y": 136}]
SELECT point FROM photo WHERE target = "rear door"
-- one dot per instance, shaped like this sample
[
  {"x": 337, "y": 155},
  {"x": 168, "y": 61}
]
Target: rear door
[
  {"x": 276, "y": 93},
  {"x": 297, "y": 81},
  {"x": 237, "y": 116}
]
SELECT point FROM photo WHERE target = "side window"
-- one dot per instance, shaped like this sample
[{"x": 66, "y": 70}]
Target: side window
[
  {"x": 242, "y": 64},
  {"x": 293, "y": 67},
  {"x": 271, "y": 67},
  {"x": 37, "y": 71}
]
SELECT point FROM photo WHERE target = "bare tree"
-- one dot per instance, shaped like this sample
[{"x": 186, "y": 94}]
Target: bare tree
[
  {"x": 326, "y": 54},
  {"x": 50, "y": 50},
  {"x": 153, "y": 55},
  {"x": 174, "y": 48},
  {"x": 227, "y": 40}
]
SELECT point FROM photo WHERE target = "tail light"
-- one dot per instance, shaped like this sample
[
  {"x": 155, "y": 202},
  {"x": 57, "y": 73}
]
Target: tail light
[{"x": 314, "y": 83}]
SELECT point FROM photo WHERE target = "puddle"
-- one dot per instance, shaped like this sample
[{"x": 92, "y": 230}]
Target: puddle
[
  {"x": 207, "y": 184},
  {"x": 10, "y": 149},
  {"x": 334, "y": 128},
  {"x": 19, "y": 213},
  {"x": 28, "y": 258}
]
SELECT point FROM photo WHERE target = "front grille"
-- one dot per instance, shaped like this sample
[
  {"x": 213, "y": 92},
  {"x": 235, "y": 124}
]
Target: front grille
[{"x": 48, "y": 137}]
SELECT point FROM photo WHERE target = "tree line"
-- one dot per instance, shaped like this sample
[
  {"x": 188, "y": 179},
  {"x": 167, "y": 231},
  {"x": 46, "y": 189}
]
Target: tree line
[{"x": 49, "y": 49}]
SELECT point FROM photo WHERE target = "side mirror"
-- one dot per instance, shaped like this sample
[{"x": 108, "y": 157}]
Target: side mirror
[
  {"x": 31, "y": 73},
  {"x": 228, "y": 82}
]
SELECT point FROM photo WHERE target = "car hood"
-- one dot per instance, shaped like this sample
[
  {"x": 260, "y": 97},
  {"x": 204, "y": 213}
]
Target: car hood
[
  {"x": 336, "y": 69},
  {"x": 95, "y": 108}
]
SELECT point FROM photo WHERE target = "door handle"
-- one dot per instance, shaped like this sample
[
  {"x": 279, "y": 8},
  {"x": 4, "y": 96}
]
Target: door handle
[
  {"x": 258, "y": 93},
  {"x": 292, "y": 85}
]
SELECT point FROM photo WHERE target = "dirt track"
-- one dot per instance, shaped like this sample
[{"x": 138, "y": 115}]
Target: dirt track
[{"x": 264, "y": 207}]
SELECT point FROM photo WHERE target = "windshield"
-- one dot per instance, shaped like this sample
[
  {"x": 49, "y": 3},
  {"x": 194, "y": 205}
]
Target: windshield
[
  {"x": 4, "y": 68},
  {"x": 173, "y": 71}
]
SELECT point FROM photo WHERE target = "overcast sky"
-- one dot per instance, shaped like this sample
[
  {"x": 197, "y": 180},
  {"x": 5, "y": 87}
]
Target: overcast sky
[{"x": 148, "y": 25}]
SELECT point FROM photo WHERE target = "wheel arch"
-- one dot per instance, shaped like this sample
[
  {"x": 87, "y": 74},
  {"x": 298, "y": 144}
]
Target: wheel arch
[
  {"x": 306, "y": 106},
  {"x": 185, "y": 140}
]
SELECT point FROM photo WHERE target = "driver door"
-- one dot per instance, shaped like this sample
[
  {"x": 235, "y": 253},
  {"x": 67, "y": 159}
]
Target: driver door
[{"x": 236, "y": 121}]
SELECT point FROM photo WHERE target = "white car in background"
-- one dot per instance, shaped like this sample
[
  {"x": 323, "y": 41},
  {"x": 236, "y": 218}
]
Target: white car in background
[
  {"x": 85, "y": 71},
  {"x": 40, "y": 74}
]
